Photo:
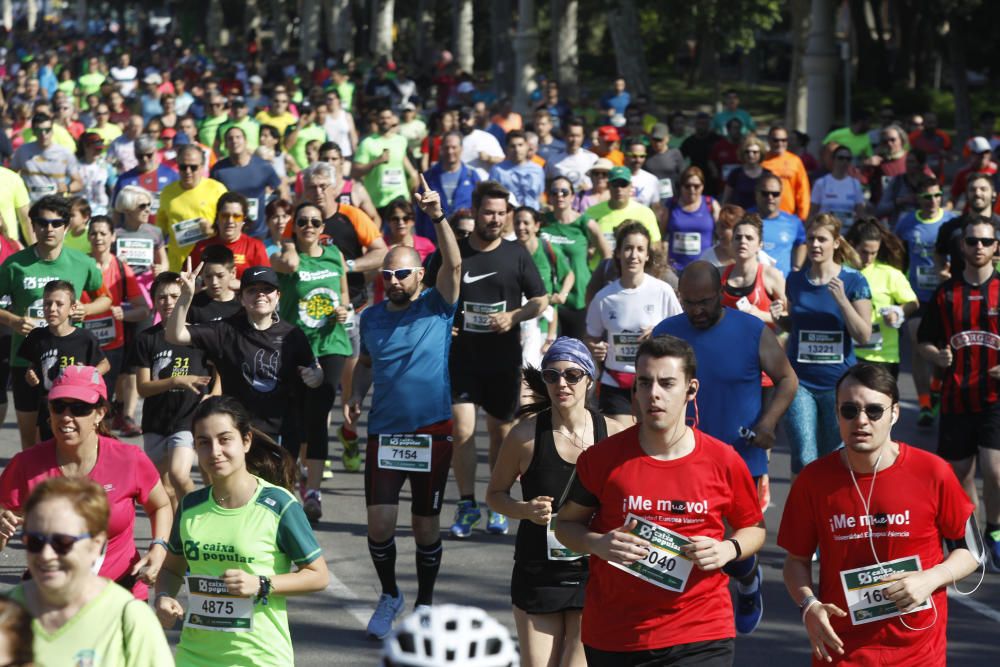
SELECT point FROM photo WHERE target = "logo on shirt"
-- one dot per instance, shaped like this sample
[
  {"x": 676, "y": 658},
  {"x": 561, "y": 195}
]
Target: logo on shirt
[
  {"x": 967, "y": 338},
  {"x": 214, "y": 551},
  {"x": 468, "y": 278},
  {"x": 38, "y": 282}
]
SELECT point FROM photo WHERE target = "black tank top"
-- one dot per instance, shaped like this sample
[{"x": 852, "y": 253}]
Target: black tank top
[{"x": 547, "y": 475}]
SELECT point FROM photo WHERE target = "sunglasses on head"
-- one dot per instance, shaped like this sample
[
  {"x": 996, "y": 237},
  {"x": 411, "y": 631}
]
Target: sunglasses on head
[
  {"x": 571, "y": 375},
  {"x": 304, "y": 222},
  {"x": 873, "y": 411},
  {"x": 400, "y": 274},
  {"x": 973, "y": 241},
  {"x": 50, "y": 222},
  {"x": 61, "y": 543},
  {"x": 76, "y": 408}
]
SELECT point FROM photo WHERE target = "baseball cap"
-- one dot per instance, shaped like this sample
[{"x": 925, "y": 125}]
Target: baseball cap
[
  {"x": 83, "y": 383},
  {"x": 608, "y": 133},
  {"x": 259, "y": 274},
  {"x": 407, "y": 106},
  {"x": 92, "y": 139},
  {"x": 620, "y": 174},
  {"x": 979, "y": 145},
  {"x": 168, "y": 133},
  {"x": 660, "y": 131}
]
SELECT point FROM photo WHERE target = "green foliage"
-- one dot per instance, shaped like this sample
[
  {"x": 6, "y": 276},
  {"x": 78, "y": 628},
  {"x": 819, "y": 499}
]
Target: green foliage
[{"x": 730, "y": 24}]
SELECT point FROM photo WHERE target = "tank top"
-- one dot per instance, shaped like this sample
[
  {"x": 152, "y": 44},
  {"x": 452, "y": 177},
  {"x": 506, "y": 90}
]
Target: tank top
[
  {"x": 345, "y": 192},
  {"x": 547, "y": 475},
  {"x": 756, "y": 293},
  {"x": 689, "y": 233}
]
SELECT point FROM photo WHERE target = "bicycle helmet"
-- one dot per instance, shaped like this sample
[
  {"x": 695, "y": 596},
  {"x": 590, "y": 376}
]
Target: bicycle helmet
[{"x": 447, "y": 635}]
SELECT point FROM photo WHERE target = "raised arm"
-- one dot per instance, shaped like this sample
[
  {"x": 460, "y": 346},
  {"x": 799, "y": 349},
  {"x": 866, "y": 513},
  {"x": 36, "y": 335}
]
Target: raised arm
[
  {"x": 175, "y": 330},
  {"x": 448, "y": 277}
]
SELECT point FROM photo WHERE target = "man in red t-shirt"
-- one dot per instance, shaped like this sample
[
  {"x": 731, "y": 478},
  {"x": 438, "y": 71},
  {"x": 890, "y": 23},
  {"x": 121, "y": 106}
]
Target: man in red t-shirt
[
  {"x": 650, "y": 506},
  {"x": 878, "y": 511}
]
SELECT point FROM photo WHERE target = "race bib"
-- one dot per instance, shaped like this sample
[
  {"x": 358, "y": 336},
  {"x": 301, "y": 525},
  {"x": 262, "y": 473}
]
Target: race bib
[
  {"x": 253, "y": 208},
  {"x": 406, "y": 452},
  {"x": 927, "y": 278},
  {"x": 211, "y": 607},
  {"x": 39, "y": 191},
  {"x": 686, "y": 243},
  {"x": 664, "y": 565},
  {"x": 36, "y": 311},
  {"x": 137, "y": 253},
  {"x": 865, "y": 593},
  {"x": 352, "y": 318},
  {"x": 103, "y": 329},
  {"x": 188, "y": 232},
  {"x": 728, "y": 169},
  {"x": 392, "y": 178},
  {"x": 554, "y": 549},
  {"x": 154, "y": 203},
  {"x": 626, "y": 345},
  {"x": 874, "y": 343},
  {"x": 666, "y": 188},
  {"x": 477, "y": 315},
  {"x": 821, "y": 347}
]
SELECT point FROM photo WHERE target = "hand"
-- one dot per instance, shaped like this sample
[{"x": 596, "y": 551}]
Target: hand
[
  {"x": 384, "y": 157},
  {"x": 118, "y": 313},
  {"x": 157, "y": 269},
  {"x": 341, "y": 314},
  {"x": 765, "y": 436},
  {"x": 25, "y": 325},
  {"x": 428, "y": 201},
  {"x": 708, "y": 554},
  {"x": 207, "y": 226},
  {"x": 168, "y": 611},
  {"x": 621, "y": 546},
  {"x": 31, "y": 378},
  {"x": 891, "y": 317},
  {"x": 598, "y": 350},
  {"x": 9, "y": 523},
  {"x": 241, "y": 583},
  {"x": 556, "y": 299},
  {"x": 540, "y": 510},
  {"x": 943, "y": 358},
  {"x": 148, "y": 567},
  {"x": 501, "y": 322},
  {"x": 546, "y": 344},
  {"x": 910, "y": 589},
  {"x": 777, "y": 310},
  {"x": 76, "y": 312},
  {"x": 312, "y": 376},
  {"x": 189, "y": 278},
  {"x": 645, "y": 333},
  {"x": 352, "y": 412},
  {"x": 836, "y": 289},
  {"x": 193, "y": 383},
  {"x": 821, "y": 634},
  {"x": 995, "y": 372}
]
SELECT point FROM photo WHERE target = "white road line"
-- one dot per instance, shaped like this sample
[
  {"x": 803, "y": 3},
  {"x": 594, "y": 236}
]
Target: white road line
[
  {"x": 975, "y": 605},
  {"x": 348, "y": 599}
]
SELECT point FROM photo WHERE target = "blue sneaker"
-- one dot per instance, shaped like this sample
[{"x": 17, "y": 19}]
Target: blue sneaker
[
  {"x": 386, "y": 611},
  {"x": 750, "y": 606},
  {"x": 992, "y": 543},
  {"x": 496, "y": 524},
  {"x": 467, "y": 516}
]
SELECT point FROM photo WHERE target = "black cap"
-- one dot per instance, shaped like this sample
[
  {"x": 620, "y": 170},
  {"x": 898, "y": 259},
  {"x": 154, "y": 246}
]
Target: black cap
[{"x": 259, "y": 274}]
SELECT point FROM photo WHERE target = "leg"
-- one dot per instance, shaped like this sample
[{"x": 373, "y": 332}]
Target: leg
[
  {"x": 129, "y": 394},
  {"x": 965, "y": 471},
  {"x": 540, "y": 638},
  {"x": 427, "y": 490},
  {"x": 319, "y": 402},
  {"x": 181, "y": 460},
  {"x": 464, "y": 458},
  {"x": 989, "y": 461},
  {"x": 382, "y": 499},
  {"x": 27, "y": 426},
  {"x": 828, "y": 428},
  {"x": 572, "y": 645},
  {"x": 497, "y": 430}
]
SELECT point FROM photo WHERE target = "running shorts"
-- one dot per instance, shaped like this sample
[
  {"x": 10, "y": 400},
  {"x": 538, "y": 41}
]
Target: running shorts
[{"x": 382, "y": 485}]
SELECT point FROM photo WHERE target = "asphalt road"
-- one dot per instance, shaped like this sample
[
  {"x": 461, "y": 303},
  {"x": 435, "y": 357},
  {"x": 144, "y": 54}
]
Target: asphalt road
[{"x": 328, "y": 628}]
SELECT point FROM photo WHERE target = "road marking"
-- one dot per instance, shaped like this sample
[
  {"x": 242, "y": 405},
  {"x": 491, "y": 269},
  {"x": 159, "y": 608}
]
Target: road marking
[
  {"x": 348, "y": 599},
  {"x": 975, "y": 605}
]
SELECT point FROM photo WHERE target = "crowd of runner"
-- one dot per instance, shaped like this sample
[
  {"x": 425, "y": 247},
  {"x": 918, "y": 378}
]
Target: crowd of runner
[{"x": 636, "y": 301}]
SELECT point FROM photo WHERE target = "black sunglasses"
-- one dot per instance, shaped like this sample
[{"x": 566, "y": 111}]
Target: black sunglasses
[
  {"x": 400, "y": 274},
  {"x": 76, "y": 408},
  {"x": 770, "y": 193},
  {"x": 559, "y": 192},
  {"x": 931, "y": 195},
  {"x": 303, "y": 222},
  {"x": 973, "y": 241},
  {"x": 463, "y": 233},
  {"x": 874, "y": 411},
  {"x": 42, "y": 130},
  {"x": 188, "y": 167},
  {"x": 61, "y": 543},
  {"x": 50, "y": 222},
  {"x": 571, "y": 375}
]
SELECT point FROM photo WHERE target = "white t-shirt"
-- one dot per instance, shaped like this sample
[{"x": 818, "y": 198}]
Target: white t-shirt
[
  {"x": 839, "y": 197},
  {"x": 127, "y": 78},
  {"x": 477, "y": 142},
  {"x": 574, "y": 167},
  {"x": 338, "y": 130},
  {"x": 645, "y": 188},
  {"x": 619, "y": 315}
]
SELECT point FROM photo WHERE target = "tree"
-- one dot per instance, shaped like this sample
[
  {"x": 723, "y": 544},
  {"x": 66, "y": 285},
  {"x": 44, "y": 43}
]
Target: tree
[
  {"x": 623, "y": 21},
  {"x": 462, "y": 34},
  {"x": 798, "y": 94},
  {"x": 565, "y": 58},
  {"x": 339, "y": 26},
  {"x": 525, "y": 55},
  {"x": 308, "y": 31},
  {"x": 424, "y": 31},
  {"x": 501, "y": 37},
  {"x": 381, "y": 34}
]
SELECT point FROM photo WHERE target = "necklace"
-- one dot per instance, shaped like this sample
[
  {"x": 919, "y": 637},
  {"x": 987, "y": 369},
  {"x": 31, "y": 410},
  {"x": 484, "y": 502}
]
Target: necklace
[{"x": 574, "y": 439}]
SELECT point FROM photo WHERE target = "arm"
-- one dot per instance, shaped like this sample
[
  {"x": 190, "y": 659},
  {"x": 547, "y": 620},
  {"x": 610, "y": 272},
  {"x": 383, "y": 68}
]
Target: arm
[
  {"x": 560, "y": 297},
  {"x": 157, "y": 508},
  {"x": 774, "y": 362},
  {"x": 816, "y": 616},
  {"x": 168, "y": 584},
  {"x": 361, "y": 169},
  {"x": 616, "y": 546},
  {"x": 912, "y": 589},
  {"x": 361, "y": 381},
  {"x": 858, "y": 317},
  {"x": 709, "y": 554},
  {"x": 103, "y": 366},
  {"x": 365, "y": 202},
  {"x": 374, "y": 254},
  {"x": 798, "y": 256},
  {"x": 147, "y": 387},
  {"x": 512, "y": 460},
  {"x": 448, "y": 281},
  {"x": 529, "y": 311},
  {"x": 286, "y": 260},
  {"x": 26, "y": 228},
  {"x": 175, "y": 329},
  {"x": 98, "y": 305},
  {"x": 597, "y": 239},
  {"x": 138, "y": 310}
]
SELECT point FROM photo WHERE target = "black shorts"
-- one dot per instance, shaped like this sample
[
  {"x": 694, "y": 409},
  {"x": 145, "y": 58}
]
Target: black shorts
[
  {"x": 4, "y": 367},
  {"x": 572, "y": 322},
  {"x": 26, "y": 397},
  {"x": 614, "y": 400},
  {"x": 496, "y": 390},
  {"x": 548, "y": 587},
  {"x": 382, "y": 486},
  {"x": 961, "y": 435},
  {"x": 714, "y": 653}
]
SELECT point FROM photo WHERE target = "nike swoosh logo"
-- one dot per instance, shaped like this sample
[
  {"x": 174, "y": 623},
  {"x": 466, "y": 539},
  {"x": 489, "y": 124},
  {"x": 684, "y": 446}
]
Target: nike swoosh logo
[{"x": 468, "y": 278}]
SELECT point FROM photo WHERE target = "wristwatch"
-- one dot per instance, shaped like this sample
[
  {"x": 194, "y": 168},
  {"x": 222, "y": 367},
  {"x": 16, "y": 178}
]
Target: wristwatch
[{"x": 350, "y": 265}]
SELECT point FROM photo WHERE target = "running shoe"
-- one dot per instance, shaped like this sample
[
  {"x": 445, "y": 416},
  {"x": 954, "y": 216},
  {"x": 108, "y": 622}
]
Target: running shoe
[
  {"x": 926, "y": 418},
  {"x": 936, "y": 402},
  {"x": 750, "y": 606},
  {"x": 386, "y": 611},
  {"x": 312, "y": 505},
  {"x": 327, "y": 469},
  {"x": 117, "y": 419},
  {"x": 992, "y": 541},
  {"x": 129, "y": 429},
  {"x": 352, "y": 457},
  {"x": 467, "y": 516},
  {"x": 496, "y": 523}
]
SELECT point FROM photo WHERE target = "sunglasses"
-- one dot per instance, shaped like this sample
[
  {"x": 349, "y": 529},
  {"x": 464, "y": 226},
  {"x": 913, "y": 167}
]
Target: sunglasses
[
  {"x": 463, "y": 233},
  {"x": 399, "y": 274},
  {"x": 188, "y": 167},
  {"x": 571, "y": 375},
  {"x": 61, "y": 543},
  {"x": 400, "y": 218},
  {"x": 76, "y": 408},
  {"x": 146, "y": 156},
  {"x": 973, "y": 241},
  {"x": 931, "y": 195},
  {"x": 305, "y": 222},
  {"x": 873, "y": 411},
  {"x": 779, "y": 140},
  {"x": 635, "y": 155},
  {"x": 693, "y": 186},
  {"x": 142, "y": 207},
  {"x": 771, "y": 193},
  {"x": 50, "y": 222},
  {"x": 232, "y": 217},
  {"x": 42, "y": 130},
  {"x": 561, "y": 192}
]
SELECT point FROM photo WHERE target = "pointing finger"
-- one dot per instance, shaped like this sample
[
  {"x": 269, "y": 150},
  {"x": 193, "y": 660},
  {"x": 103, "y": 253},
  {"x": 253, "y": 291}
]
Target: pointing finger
[{"x": 423, "y": 183}]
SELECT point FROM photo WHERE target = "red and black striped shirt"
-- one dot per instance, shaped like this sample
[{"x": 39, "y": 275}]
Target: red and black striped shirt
[{"x": 965, "y": 317}]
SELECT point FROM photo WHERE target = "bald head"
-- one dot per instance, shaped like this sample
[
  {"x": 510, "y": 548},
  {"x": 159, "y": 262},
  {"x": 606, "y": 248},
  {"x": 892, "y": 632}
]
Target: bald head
[
  {"x": 401, "y": 257},
  {"x": 699, "y": 274},
  {"x": 700, "y": 290}
]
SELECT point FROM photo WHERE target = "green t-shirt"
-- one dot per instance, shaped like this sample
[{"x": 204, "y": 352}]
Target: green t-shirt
[
  {"x": 109, "y": 132},
  {"x": 23, "y": 277},
  {"x": 264, "y": 537},
  {"x": 608, "y": 220},
  {"x": 572, "y": 241},
  {"x": 860, "y": 145},
  {"x": 308, "y": 133},
  {"x": 112, "y": 630},
  {"x": 209, "y": 128},
  {"x": 90, "y": 83},
  {"x": 309, "y": 297},
  {"x": 346, "y": 92},
  {"x": 81, "y": 242},
  {"x": 386, "y": 181},
  {"x": 551, "y": 278},
  {"x": 890, "y": 287},
  {"x": 251, "y": 129}
]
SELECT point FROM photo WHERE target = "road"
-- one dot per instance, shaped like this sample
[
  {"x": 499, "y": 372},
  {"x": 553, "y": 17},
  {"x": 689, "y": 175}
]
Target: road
[{"x": 328, "y": 628}]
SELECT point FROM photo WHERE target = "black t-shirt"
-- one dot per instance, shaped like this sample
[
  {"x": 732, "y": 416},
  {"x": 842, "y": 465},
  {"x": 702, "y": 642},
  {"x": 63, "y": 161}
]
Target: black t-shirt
[
  {"x": 49, "y": 354},
  {"x": 205, "y": 309},
  {"x": 260, "y": 368},
  {"x": 169, "y": 412},
  {"x": 949, "y": 240},
  {"x": 340, "y": 231},
  {"x": 696, "y": 149},
  {"x": 491, "y": 282}
]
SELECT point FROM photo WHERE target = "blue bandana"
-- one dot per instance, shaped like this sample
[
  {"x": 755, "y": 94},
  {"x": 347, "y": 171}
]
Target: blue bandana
[{"x": 569, "y": 349}]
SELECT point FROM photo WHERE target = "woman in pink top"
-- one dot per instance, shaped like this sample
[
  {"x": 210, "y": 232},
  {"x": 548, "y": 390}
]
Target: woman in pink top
[
  {"x": 399, "y": 221},
  {"x": 78, "y": 402}
]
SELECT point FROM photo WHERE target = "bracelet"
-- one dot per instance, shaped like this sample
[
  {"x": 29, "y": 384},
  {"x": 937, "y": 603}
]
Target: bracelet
[
  {"x": 739, "y": 550},
  {"x": 439, "y": 219},
  {"x": 264, "y": 590},
  {"x": 350, "y": 265},
  {"x": 807, "y": 604},
  {"x": 159, "y": 540}
]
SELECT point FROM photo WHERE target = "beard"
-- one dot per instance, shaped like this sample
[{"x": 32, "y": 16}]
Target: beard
[{"x": 400, "y": 296}]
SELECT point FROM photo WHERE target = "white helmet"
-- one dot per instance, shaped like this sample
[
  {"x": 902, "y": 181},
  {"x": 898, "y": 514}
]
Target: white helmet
[{"x": 447, "y": 635}]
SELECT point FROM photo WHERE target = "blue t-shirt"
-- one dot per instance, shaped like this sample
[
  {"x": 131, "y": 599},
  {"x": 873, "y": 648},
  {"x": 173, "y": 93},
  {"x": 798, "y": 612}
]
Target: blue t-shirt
[
  {"x": 919, "y": 235},
  {"x": 526, "y": 181},
  {"x": 164, "y": 177},
  {"x": 617, "y": 101},
  {"x": 782, "y": 234},
  {"x": 250, "y": 181},
  {"x": 729, "y": 384},
  {"x": 819, "y": 346},
  {"x": 411, "y": 355}
]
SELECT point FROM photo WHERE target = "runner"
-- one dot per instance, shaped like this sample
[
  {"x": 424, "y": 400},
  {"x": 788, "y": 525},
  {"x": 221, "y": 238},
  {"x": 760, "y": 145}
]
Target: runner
[
  {"x": 187, "y": 206},
  {"x": 405, "y": 342},
  {"x": 485, "y": 358},
  {"x": 381, "y": 161},
  {"x": 784, "y": 234},
  {"x": 622, "y": 315},
  {"x": 250, "y": 176},
  {"x": 218, "y": 300},
  {"x": 237, "y": 540},
  {"x": 689, "y": 220},
  {"x": 839, "y": 192},
  {"x": 548, "y": 581},
  {"x": 232, "y": 214},
  {"x": 621, "y": 208},
  {"x": 650, "y": 503},
  {"x": 834, "y": 506},
  {"x": 750, "y": 284},
  {"x": 787, "y": 166}
]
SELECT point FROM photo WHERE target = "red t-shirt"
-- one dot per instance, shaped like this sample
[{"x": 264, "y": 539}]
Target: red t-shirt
[
  {"x": 247, "y": 251},
  {"x": 922, "y": 501},
  {"x": 709, "y": 485},
  {"x": 125, "y": 472},
  {"x": 110, "y": 332}
]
